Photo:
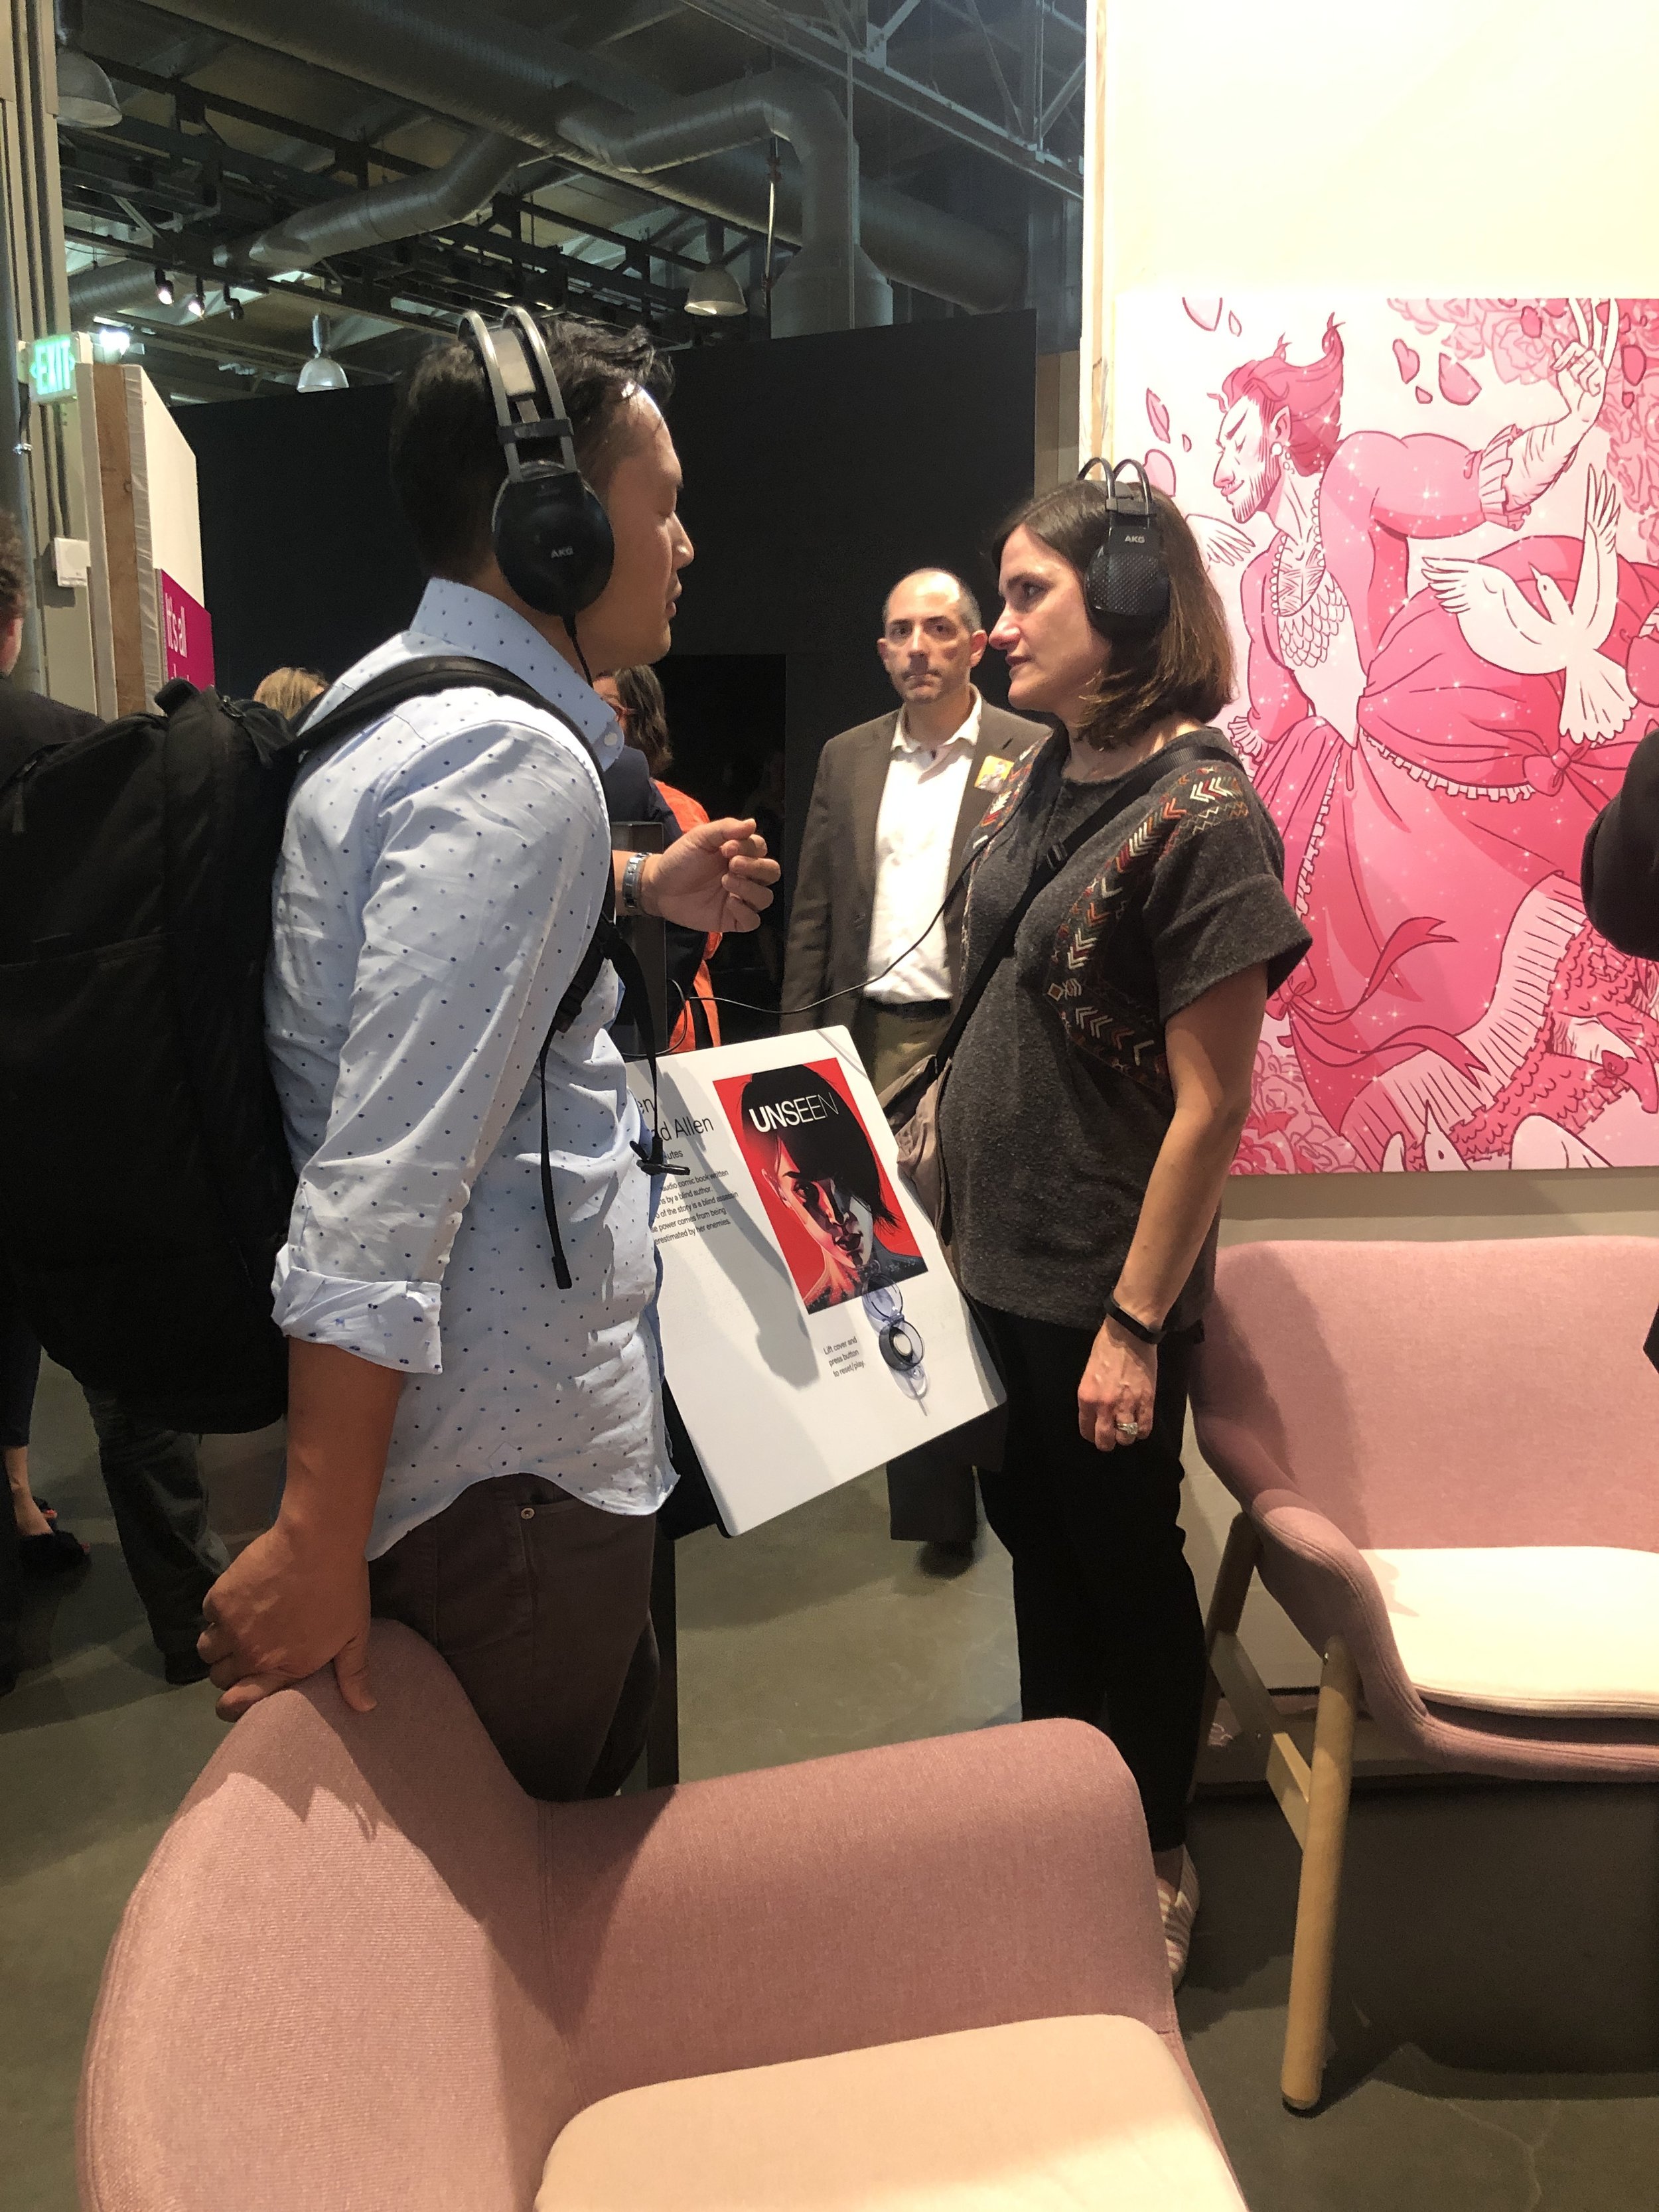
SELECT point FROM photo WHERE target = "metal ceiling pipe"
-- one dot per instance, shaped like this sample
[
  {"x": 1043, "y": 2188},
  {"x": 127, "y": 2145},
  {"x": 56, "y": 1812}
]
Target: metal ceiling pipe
[
  {"x": 498, "y": 75},
  {"x": 831, "y": 285},
  {"x": 431, "y": 200}
]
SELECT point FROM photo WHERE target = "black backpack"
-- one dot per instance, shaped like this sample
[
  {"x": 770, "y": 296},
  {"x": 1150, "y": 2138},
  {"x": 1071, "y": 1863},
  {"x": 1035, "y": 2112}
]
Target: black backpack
[{"x": 145, "y": 1183}]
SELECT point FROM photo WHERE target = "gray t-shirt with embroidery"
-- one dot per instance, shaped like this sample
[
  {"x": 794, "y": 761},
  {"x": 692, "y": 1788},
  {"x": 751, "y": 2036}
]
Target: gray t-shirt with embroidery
[{"x": 1058, "y": 1094}]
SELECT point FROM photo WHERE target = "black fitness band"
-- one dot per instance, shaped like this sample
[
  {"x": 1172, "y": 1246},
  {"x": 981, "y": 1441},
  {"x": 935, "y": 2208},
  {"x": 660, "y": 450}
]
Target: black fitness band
[{"x": 1154, "y": 1336}]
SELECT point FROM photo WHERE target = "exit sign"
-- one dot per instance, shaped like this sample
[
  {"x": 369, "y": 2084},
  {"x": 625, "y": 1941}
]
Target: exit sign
[{"x": 50, "y": 365}]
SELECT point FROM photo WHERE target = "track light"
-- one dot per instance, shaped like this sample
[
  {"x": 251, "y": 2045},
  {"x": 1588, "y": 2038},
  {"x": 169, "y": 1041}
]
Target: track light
[
  {"x": 715, "y": 291},
  {"x": 163, "y": 286},
  {"x": 233, "y": 306},
  {"x": 197, "y": 303},
  {"x": 85, "y": 94},
  {"x": 322, "y": 372}
]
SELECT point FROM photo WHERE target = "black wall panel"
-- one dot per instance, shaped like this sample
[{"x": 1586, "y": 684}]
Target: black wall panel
[
  {"x": 818, "y": 470},
  {"x": 305, "y": 556}
]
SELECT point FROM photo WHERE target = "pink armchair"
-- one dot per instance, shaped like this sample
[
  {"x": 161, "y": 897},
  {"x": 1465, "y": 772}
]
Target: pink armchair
[
  {"x": 1448, "y": 1457},
  {"x": 364, "y": 1969}
]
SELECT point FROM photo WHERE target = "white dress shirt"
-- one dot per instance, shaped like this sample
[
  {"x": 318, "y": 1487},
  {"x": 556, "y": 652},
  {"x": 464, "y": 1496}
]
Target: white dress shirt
[
  {"x": 914, "y": 831},
  {"x": 440, "y": 878}
]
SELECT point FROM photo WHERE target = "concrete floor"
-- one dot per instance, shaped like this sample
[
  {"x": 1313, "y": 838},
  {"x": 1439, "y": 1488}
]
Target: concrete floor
[{"x": 1495, "y": 2029}]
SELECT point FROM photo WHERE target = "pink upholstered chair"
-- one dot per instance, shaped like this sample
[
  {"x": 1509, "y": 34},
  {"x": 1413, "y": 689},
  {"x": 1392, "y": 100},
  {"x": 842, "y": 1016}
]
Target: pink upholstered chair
[
  {"x": 1448, "y": 1457},
  {"x": 364, "y": 1970}
]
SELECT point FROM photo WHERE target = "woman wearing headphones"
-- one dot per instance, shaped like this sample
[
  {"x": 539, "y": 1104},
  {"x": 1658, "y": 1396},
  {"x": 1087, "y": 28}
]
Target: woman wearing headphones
[{"x": 1093, "y": 1107}]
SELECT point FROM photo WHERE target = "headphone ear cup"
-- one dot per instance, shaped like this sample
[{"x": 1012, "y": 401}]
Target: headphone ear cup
[
  {"x": 1126, "y": 588},
  {"x": 552, "y": 539}
]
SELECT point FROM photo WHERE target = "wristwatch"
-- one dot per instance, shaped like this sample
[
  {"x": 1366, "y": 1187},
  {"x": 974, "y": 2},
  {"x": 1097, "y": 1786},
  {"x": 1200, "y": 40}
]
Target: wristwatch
[{"x": 629, "y": 899}]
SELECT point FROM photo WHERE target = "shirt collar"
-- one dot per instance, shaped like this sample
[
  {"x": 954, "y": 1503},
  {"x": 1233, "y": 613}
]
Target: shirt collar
[
  {"x": 966, "y": 734},
  {"x": 464, "y": 620}
]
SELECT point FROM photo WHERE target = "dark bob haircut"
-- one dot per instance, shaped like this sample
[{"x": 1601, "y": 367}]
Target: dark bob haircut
[
  {"x": 1186, "y": 669},
  {"x": 447, "y": 464},
  {"x": 792, "y": 1109}
]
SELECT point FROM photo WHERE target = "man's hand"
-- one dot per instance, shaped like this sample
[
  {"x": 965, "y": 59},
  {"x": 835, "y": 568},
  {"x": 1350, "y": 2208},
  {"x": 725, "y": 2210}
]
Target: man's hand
[
  {"x": 716, "y": 877},
  {"x": 284, "y": 1608}
]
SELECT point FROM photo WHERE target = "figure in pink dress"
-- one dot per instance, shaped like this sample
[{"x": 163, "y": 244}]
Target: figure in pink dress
[{"x": 1433, "y": 760}]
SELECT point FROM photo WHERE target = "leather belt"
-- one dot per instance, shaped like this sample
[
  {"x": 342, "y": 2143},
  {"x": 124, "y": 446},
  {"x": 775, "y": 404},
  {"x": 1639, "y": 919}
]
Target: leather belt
[{"x": 912, "y": 1010}]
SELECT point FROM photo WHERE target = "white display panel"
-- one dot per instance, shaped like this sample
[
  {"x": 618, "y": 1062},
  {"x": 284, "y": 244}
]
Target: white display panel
[{"x": 773, "y": 1315}]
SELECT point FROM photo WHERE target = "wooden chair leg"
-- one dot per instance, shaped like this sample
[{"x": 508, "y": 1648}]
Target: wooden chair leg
[
  {"x": 1239, "y": 1559},
  {"x": 1301, "y": 2080}
]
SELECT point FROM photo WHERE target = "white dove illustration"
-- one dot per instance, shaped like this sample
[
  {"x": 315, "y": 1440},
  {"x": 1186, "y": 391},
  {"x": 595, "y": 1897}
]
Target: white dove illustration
[{"x": 1500, "y": 624}]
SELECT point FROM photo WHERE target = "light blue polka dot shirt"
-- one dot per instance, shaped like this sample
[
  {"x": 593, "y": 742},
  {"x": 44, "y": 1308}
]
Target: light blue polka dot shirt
[{"x": 440, "y": 878}]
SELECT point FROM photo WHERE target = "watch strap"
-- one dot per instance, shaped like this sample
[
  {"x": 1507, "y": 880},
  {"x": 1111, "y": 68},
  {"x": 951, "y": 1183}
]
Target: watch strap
[{"x": 1141, "y": 1328}]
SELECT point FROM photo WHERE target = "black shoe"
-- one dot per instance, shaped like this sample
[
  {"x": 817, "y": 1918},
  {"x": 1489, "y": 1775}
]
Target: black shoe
[
  {"x": 57, "y": 1552},
  {"x": 944, "y": 1560},
  {"x": 181, "y": 1667}
]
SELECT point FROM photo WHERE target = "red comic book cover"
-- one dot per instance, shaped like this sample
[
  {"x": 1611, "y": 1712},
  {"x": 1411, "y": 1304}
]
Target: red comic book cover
[{"x": 834, "y": 1212}]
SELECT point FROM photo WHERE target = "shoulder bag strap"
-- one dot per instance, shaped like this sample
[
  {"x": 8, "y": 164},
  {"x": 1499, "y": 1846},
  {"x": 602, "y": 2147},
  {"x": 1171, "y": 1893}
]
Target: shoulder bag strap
[{"x": 1134, "y": 785}]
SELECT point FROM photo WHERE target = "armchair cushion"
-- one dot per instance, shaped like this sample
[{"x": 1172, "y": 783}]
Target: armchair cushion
[
  {"x": 1057, "y": 2114},
  {"x": 1549, "y": 1629}
]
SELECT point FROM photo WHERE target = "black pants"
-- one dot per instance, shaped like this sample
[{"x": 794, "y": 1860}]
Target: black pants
[
  {"x": 1106, "y": 1616},
  {"x": 154, "y": 1478},
  {"x": 20, "y": 1369}
]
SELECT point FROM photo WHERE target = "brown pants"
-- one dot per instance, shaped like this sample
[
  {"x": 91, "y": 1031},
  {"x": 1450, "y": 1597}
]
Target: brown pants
[
  {"x": 541, "y": 1605},
  {"x": 892, "y": 1045}
]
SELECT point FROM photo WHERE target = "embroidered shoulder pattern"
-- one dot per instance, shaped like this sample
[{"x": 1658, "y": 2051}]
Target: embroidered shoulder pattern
[{"x": 1102, "y": 1020}]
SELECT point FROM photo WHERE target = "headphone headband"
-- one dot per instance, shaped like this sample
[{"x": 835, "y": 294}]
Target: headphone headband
[
  {"x": 1126, "y": 588},
  {"x": 550, "y": 532},
  {"x": 523, "y": 385}
]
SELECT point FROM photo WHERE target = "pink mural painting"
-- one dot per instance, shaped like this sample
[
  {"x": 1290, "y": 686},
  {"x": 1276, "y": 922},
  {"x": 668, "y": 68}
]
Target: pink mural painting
[{"x": 1445, "y": 599}]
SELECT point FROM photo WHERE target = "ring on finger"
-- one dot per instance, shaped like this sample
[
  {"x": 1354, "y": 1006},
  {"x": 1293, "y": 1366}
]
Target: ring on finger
[{"x": 1129, "y": 1430}]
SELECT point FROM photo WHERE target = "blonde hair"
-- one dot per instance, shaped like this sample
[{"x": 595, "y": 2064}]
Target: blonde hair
[{"x": 289, "y": 689}]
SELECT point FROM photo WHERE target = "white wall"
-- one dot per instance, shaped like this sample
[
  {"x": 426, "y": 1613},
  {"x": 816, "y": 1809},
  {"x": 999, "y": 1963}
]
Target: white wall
[{"x": 1434, "y": 146}]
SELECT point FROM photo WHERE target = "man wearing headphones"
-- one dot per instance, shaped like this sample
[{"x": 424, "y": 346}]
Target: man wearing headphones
[{"x": 473, "y": 1448}]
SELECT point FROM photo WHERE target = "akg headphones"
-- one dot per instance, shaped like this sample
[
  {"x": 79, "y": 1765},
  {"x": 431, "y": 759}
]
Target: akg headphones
[
  {"x": 1126, "y": 588},
  {"x": 552, "y": 536}
]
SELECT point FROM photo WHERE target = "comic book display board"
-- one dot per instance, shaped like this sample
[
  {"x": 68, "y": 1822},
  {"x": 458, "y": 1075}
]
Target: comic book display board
[
  {"x": 811, "y": 1327},
  {"x": 1434, "y": 524}
]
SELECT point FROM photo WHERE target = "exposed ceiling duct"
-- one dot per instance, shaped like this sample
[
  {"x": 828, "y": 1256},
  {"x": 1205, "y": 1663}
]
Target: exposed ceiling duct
[
  {"x": 498, "y": 75},
  {"x": 831, "y": 285},
  {"x": 406, "y": 208}
]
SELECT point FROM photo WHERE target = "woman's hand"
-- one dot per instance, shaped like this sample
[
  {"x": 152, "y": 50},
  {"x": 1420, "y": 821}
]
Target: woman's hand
[{"x": 1118, "y": 1387}]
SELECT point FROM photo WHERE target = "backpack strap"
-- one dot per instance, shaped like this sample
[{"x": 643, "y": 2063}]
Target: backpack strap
[
  {"x": 412, "y": 679},
  {"x": 424, "y": 679}
]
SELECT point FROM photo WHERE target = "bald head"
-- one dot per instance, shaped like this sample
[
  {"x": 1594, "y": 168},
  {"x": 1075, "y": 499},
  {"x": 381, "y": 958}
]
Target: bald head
[{"x": 961, "y": 598}]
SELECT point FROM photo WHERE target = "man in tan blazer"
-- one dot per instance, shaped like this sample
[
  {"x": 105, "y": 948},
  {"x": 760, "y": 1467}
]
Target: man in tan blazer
[{"x": 895, "y": 803}]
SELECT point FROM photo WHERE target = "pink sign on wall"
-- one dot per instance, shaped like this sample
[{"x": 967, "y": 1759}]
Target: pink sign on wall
[{"x": 186, "y": 633}]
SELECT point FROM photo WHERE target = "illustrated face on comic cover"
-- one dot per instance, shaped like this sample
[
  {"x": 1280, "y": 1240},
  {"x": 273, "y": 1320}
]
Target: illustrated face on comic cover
[
  {"x": 1434, "y": 526},
  {"x": 837, "y": 1221}
]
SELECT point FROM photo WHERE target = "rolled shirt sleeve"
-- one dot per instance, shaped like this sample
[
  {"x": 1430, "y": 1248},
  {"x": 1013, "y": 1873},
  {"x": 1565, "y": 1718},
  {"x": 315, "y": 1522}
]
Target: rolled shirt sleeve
[{"x": 480, "y": 862}]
